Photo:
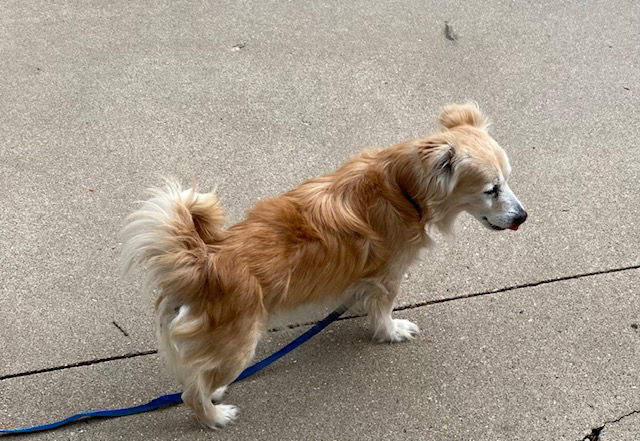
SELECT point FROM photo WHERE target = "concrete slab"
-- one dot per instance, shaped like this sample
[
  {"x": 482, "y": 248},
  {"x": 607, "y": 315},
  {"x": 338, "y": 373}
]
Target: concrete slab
[
  {"x": 543, "y": 363},
  {"x": 100, "y": 100}
]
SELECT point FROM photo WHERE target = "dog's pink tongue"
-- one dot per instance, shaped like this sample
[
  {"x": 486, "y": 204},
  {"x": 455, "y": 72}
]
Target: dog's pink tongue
[{"x": 514, "y": 227}]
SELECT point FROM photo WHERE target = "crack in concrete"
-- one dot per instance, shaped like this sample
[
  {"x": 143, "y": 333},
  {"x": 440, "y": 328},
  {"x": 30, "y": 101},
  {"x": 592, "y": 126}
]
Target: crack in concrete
[
  {"x": 78, "y": 364},
  {"x": 595, "y": 432},
  {"x": 520, "y": 286},
  {"x": 120, "y": 328},
  {"x": 401, "y": 308}
]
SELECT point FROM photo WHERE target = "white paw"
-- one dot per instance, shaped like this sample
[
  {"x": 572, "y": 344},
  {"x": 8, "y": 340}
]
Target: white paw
[
  {"x": 401, "y": 330},
  {"x": 218, "y": 393},
  {"x": 225, "y": 414}
]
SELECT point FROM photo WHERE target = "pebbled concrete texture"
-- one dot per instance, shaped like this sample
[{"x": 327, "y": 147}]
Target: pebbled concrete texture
[
  {"x": 102, "y": 99},
  {"x": 543, "y": 363}
]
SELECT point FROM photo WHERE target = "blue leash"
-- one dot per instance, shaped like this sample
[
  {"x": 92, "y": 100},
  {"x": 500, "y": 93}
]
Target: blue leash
[{"x": 171, "y": 399}]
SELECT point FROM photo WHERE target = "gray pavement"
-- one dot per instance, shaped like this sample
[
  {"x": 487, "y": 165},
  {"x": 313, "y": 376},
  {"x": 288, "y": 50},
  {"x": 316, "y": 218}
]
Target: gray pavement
[{"x": 100, "y": 100}]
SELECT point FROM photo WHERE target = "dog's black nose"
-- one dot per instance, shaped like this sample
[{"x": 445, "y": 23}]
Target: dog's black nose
[{"x": 520, "y": 218}]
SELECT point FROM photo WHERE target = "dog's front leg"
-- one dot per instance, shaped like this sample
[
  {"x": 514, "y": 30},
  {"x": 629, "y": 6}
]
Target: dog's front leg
[{"x": 379, "y": 299}]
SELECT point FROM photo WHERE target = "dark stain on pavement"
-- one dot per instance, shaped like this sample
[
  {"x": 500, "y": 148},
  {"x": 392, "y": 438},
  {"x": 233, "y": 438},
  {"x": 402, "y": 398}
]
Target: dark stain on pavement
[{"x": 449, "y": 34}]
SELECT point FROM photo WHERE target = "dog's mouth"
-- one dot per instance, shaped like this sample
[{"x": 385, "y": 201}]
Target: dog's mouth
[{"x": 492, "y": 226}]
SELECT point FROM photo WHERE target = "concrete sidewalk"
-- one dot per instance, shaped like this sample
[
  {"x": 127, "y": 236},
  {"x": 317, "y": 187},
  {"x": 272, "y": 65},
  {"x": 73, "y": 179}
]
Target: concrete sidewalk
[{"x": 99, "y": 100}]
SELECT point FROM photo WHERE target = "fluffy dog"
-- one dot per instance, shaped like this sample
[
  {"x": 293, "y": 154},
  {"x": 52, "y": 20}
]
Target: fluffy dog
[{"x": 352, "y": 232}]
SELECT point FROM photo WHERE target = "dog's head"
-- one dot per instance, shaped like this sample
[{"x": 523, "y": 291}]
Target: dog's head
[{"x": 469, "y": 171}]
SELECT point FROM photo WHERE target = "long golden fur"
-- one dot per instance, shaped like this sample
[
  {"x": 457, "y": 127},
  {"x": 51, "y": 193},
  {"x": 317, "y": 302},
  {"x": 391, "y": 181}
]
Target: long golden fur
[{"x": 350, "y": 232}]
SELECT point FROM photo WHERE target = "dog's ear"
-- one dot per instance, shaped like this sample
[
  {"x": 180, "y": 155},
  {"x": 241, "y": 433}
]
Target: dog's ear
[
  {"x": 443, "y": 159},
  {"x": 440, "y": 158},
  {"x": 463, "y": 114}
]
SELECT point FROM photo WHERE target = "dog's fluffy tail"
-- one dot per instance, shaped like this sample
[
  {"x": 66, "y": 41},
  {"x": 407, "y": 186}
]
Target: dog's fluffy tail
[{"x": 171, "y": 234}]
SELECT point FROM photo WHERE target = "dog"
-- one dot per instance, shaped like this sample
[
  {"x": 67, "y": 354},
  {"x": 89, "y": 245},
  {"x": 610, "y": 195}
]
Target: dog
[{"x": 350, "y": 233}]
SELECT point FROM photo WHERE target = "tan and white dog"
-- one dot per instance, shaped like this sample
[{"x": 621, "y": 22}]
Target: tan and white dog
[{"x": 351, "y": 232}]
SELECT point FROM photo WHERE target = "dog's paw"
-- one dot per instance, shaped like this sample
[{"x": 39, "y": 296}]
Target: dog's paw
[
  {"x": 225, "y": 414},
  {"x": 218, "y": 394},
  {"x": 401, "y": 330}
]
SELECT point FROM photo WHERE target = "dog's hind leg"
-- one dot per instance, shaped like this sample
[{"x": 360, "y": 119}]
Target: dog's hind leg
[
  {"x": 209, "y": 381},
  {"x": 216, "y": 340},
  {"x": 378, "y": 301}
]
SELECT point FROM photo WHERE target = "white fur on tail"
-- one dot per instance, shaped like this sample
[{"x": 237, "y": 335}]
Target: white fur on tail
[{"x": 169, "y": 234}]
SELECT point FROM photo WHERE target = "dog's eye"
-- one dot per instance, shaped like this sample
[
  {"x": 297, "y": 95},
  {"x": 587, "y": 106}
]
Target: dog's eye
[{"x": 494, "y": 190}]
